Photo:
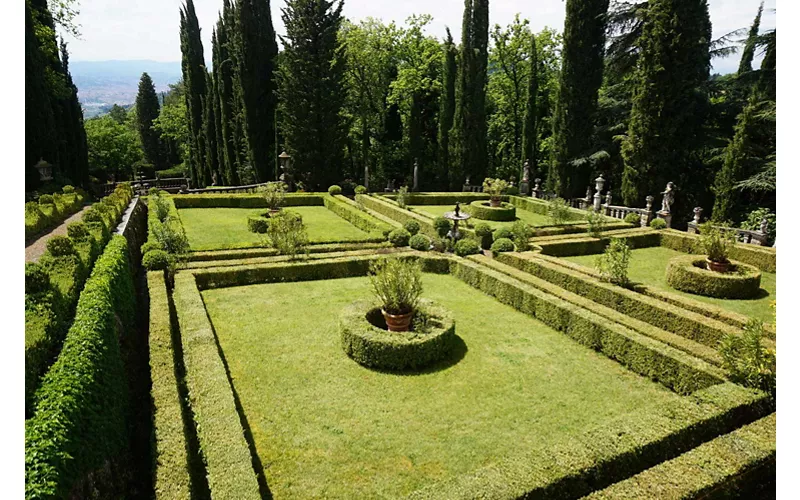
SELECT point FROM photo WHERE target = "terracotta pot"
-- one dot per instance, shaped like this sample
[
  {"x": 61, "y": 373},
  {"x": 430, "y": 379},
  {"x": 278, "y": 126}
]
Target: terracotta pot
[
  {"x": 718, "y": 267},
  {"x": 494, "y": 202},
  {"x": 273, "y": 211},
  {"x": 398, "y": 322}
]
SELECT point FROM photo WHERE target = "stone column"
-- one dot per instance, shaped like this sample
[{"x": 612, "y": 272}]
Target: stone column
[
  {"x": 598, "y": 198},
  {"x": 693, "y": 226},
  {"x": 647, "y": 216}
]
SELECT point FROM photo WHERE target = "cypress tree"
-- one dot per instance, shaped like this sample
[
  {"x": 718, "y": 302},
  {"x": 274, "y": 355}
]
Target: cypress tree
[
  {"x": 576, "y": 106},
  {"x": 311, "y": 90},
  {"x": 530, "y": 128},
  {"x": 147, "y": 110},
  {"x": 458, "y": 135},
  {"x": 446, "y": 110},
  {"x": 746, "y": 63},
  {"x": 669, "y": 104},
  {"x": 766, "y": 80},
  {"x": 210, "y": 133},
  {"x": 194, "y": 79},
  {"x": 256, "y": 53}
]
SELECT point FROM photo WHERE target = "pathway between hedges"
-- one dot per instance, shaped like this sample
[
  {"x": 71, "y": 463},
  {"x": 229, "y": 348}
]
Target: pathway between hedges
[{"x": 37, "y": 247}]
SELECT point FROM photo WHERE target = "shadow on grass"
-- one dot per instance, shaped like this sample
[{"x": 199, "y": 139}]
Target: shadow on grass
[{"x": 458, "y": 352}]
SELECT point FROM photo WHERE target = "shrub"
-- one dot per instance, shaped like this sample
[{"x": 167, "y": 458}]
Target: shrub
[
  {"x": 633, "y": 218},
  {"x": 361, "y": 189},
  {"x": 688, "y": 273},
  {"x": 397, "y": 283},
  {"x": 399, "y": 237},
  {"x": 753, "y": 223},
  {"x": 420, "y": 242},
  {"x": 46, "y": 199},
  {"x": 467, "y": 246},
  {"x": 170, "y": 236},
  {"x": 257, "y": 224},
  {"x": 558, "y": 211},
  {"x": 482, "y": 209},
  {"x": 60, "y": 245},
  {"x": 440, "y": 244},
  {"x": 156, "y": 260},
  {"x": 442, "y": 226},
  {"x": 411, "y": 226},
  {"x": 32, "y": 207},
  {"x": 494, "y": 187},
  {"x": 747, "y": 360},
  {"x": 68, "y": 189},
  {"x": 716, "y": 242},
  {"x": 484, "y": 232},
  {"x": 658, "y": 224},
  {"x": 402, "y": 196},
  {"x": 503, "y": 232},
  {"x": 274, "y": 194},
  {"x": 92, "y": 214},
  {"x": 512, "y": 191},
  {"x": 154, "y": 191},
  {"x": 36, "y": 279},
  {"x": 522, "y": 233},
  {"x": 613, "y": 263},
  {"x": 77, "y": 231},
  {"x": 334, "y": 190},
  {"x": 150, "y": 245},
  {"x": 596, "y": 221},
  {"x": 160, "y": 206},
  {"x": 287, "y": 233},
  {"x": 502, "y": 245}
]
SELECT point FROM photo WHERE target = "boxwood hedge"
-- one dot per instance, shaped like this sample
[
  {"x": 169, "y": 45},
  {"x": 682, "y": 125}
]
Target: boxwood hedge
[
  {"x": 687, "y": 273},
  {"x": 344, "y": 208},
  {"x": 40, "y": 217},
  {"x": 482, "y": 210},
  {"x": 243, "y": 200},
  {"x": 764, "y": 258}
]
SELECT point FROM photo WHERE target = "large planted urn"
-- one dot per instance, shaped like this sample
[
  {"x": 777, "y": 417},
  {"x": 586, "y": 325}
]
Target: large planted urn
[
  {"x": 718, "y": 267},
  {"x": 397, "y": 322}
]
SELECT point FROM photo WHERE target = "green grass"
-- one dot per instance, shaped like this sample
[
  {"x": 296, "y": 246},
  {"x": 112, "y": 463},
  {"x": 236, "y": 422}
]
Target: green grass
[
  {"x": 218, "y": 228},
  {"x": 324, "y": 426},
  {"x": 529, "y": 217},
  {"x": 648, "y": 266}
]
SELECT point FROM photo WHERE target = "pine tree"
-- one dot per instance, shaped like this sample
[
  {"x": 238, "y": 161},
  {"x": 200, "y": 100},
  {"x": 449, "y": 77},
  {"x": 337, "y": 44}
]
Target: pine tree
[
  {"x": 256, "y": 51},
  {"x": 311, "y": 90},
  {"x": 194, "y": 79},
  {"x": 746, "y": 63},
  {"x": 147, "y": 110},
  {"x": 446, "y": 110},
  {"x": 530, "y": 128},
  {"x": 576, "y": 106},
  {"x": 669, "y": 104}
]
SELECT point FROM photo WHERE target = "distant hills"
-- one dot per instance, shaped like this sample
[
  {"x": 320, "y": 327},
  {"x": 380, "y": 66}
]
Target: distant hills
[{"x": 102, "y": 84}]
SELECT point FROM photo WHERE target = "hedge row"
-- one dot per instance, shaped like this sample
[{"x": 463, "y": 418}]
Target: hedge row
[
  {"x": 640, "y": 354},
  {"x": 80, "y": 420},
  {"x": 481, "y": 210},
  {"x": 764, "y": 258},
  {"x": 443, "y": 198},
  {"x": 576, "y": 228},
  {"x": 609, "y": 453},
  {"x": 393, "y": 211},
  {"x": 719, "y": 468},
  {"x": 243, "y": 201},
  {"x": 542, "y": 207},
  {"x": 170, "y": 455},
  {"x": 683, "y": 274},
  {"x": 249, "y": 253},
  {"x": 354, "y": 216},
  {"x": 687, "y": 324},
  {"x": 50, "y": 211},
  {"x": 225, "y": 452},
  {"x": 566, "y": 247},
  {"x": 285, "y": 258}
]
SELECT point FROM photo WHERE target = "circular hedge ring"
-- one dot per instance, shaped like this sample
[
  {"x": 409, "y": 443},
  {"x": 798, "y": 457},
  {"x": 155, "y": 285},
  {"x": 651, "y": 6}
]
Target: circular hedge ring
[
  {"x": 480, "y": 209},
  {"x": 688, "y": 273},
  {"x": 367, "y": 341}
]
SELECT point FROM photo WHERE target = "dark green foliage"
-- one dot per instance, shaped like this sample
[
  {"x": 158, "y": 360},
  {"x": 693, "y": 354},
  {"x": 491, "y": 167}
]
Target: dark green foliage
[
  {"x": 746, "y": 62},
  {"x": 223, "y": 63},
  {"x": 503, "y": 232},
  {"x": 399, "y": 237},
  {"x": 60, "y": 245},
  {"x": 748, "y": 360},
  {"x": 311, "y": 92},
  {"x": 77, "y": 231},
  {"x": 502, "y": 245},
  {"x": 194, "y": 80},
  {"x": 149, "y": 245},
  {"x": 36, "y": 279},
  {"x": 375, "y": 347},
  {"x": 576, "y": 106},
  {"x": 633, "y": 218},
  {"x": 760, "y": 257},
  {"x": 658, "y": 223},
  {"x": 466, "y": 246},
  {"x": 689, "y": 274},
  {"x": 442, "y": 226},
  {"x": 446, "y": 111},
  {"x": 522, "y": 233},
  {"x": 257, "y": 224},
  {"x": 211, "y": 166},
  {"x": 484, "y": 232},
  {"x": 156, "y": 260},
  {"x": 411, "y": 226},
  {"x": 147, "y": 110},
  {"x": 420, "y": 242},
  {"x": 334, "y": 190},
  {"x": 530, "y": 127}
]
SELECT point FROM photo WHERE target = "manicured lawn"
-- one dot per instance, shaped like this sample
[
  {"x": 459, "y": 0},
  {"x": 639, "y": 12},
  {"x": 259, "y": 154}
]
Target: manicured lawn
[
  {"x": 214, "y": 228},
  {"x": 323, "y": 426},
  {"x": 523, "y": 215},
  {"x": 648, "y": 266}
]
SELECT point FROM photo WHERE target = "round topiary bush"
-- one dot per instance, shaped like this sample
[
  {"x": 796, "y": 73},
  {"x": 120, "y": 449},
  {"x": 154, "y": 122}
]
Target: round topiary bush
[
  {"x": 60, "y": 245},
  {"x": 256, "y": 224},
  {"x": 77, "y": 231},
  {"x": 334, "y": 190},
  {"x": 484, "y": 232},
  {"x": 481, "y": 209},
  {"x": 633, "y": 218},
  {"x": 442, "y": 226},
  {"x": 68, "y": 189},
  {"x": 688, "y": 273},
  {"x": 411, "y": 226},
  {"x": 367, "y": 341},
  {"x": 361, "y": 189},
  {"x": 502, "y": 245},
  {"x": 502, "y": 232},
  {"x": 439, "y": 244},
  {"x": 420, "y": 242},
  {"x": 658, "y": 224},
  {"x": 466, "y": 247},
  {"x": 36, "y": 279},
  {"x": 399, "y": 237},
  {"x": 155, "y": 260}
]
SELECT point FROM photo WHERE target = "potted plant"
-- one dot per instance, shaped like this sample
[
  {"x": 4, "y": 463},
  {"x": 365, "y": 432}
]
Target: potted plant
[
  {"x": 495, "y": 188},
  {"x": 717, "y": 243},
  {"x": 274, "y": 194},
  {"x": 397, "y": 283}
]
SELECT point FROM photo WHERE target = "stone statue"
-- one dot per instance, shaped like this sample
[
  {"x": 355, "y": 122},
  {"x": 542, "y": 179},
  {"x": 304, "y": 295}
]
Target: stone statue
[
  {"x": 467, "y": 180},
  {"x": 458, "y": 209},
  {"x": 416, "y": 176},
  {"x": 668, "y": 198},
  {"x": 526, "y": 172}
]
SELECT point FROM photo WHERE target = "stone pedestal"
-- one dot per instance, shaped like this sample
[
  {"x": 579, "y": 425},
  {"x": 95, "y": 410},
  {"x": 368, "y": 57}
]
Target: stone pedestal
[
  {"x": 524, "y": 188},
  {"x": 662, "y": 214}
]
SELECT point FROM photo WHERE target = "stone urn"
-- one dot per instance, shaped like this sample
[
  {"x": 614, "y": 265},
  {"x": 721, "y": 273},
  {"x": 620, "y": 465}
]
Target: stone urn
[
  {"x": 494, "y": 202},
  {"x": 718, "y": 267},
  {"x": 397, "y": 322}
]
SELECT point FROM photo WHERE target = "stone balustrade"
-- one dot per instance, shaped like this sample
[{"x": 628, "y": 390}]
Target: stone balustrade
[{"x": 742, "y": 235}]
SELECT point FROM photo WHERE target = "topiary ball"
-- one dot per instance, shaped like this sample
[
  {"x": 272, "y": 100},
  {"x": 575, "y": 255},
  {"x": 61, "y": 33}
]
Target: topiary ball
[
  {"x": 411, "y": 226},
  {"x": 361, "y": 189},
  {"x": 36, "y": 279},
  {"x": 60, "y": 245},
  {"x": 334, "y": 190},
  {"x": 503, "y": 232},
  {"x": 484, "y": 232},
  {"x": 155, "y": 260},
  {"x": 77, "y": 231},
  {"x": 68, "y": 189},
  {"x": 399, "y": 237},
  {"x": 420, "y": 242},
  {"x": 46, "y": 199},
  {"x": 502, "y": 245},
  {"x": 466, "y": 247},
  {"x": 442, "y": 226},
  {"x": 658, "y": 224},
  {"x": 633, "y": 218}
]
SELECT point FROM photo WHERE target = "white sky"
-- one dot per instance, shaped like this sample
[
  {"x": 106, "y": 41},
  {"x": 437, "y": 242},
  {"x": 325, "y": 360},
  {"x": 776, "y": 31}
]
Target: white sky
[{"x": 148, "y": 29}]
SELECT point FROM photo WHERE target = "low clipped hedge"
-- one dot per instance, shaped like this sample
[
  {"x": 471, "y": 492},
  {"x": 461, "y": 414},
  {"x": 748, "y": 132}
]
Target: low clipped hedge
[
  {"x": 170, "y": 457},
  {"x": 484, "y": 211},
  {"x": 442, "y": 198},
  {"x": 376, "y": 347},
  {"x": 687, "y": 273},
  {"x": 257, "y": 224},
  {"x": 764, "y": 258},
  {"x": 394, "y": 212},
  {"x": 51, "y": 210},
  {"x": 344, "y": 208},
  {"x": 79, "y": 424},
  {"x": 246, "y": 253},
  {"x": 243, "y": 200},
  {"x": 225, "y": 452},
  {"x": 541, "y": 207},
  {"x": 584, "y": 246}
]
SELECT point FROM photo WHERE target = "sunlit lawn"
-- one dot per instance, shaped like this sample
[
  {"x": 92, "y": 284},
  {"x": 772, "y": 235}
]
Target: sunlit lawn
[
  {"x": 324, "y": 426},
  {"x": 648, "y": 266},
  {"x": 211, "y": 228},
  {"x": 531, "y": 218}
]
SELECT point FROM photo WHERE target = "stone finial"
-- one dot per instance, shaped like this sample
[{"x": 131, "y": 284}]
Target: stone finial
[
  {"x": 697, "y": 213},
  {"x": 608, "y": 197},
  {"x": 764, "y": 227},
  {"x": 588, "y": 194},
  {"x": 598, "y": 198},
  {"x": 599, "y": 183},
  {"x": 649, "y": 201}
]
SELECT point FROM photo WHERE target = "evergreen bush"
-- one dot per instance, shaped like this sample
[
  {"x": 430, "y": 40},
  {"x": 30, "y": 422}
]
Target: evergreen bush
[
  {"x": 287, "y": 233},
  {"x": 633, "y": 218},
  {"x": 558, "y": 210},
  {"x": 334, "y": 190},
  {"x": 58, "y": 246},
  {"x": 442, "y": 226},
  {"x": 502, "y": 245},
  {"x": 399, "y": 237},
  {"x": 420, "y": 242},
  {"x": 502, "y": 232},
  {"x": 658, "y": 224},
  {"x": 484, "y": 232},
  {"x": 411, "y": 226},
  {"x": 613, "y": 263},
  {"x": 467, "y": 246},
  {"x": 156, "y": 260}
]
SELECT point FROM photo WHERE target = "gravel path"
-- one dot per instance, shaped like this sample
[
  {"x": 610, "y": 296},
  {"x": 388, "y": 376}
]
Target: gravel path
[{"x": 36, "y": 248}]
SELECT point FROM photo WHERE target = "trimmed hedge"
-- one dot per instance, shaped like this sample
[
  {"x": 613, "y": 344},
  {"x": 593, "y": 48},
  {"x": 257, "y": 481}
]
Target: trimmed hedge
[
  {"x": 482, "y": 210},
  {"x": 444, "y": 198},
  {"x": 567, "y": 247},
  {"x": 257, "y": 224},
  {"x": 502, "y": 245},
  {"x": 223, "y": 446},
  {"x": 764, "y": 258},
  {"x": 243, "y": 200},
  {"x": 687, "y": 273},
  {"x": 466, "y": 246},
  {"x": 378, "y": 348},
  {"x": 344, "y": 208},
  {"x": 286, "y": 258},
  {"x": 246, "y": 253},
  {"x": 396, "y": 213},
  {"x": 170, "y": 452},
  {"x": 81, "y": 407},
  {"x": 420, "y": 242},
  {"x": 541, "y": 207},
  {"x": 399, "y": 237},
  {"x": 51, "y": 210}
]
